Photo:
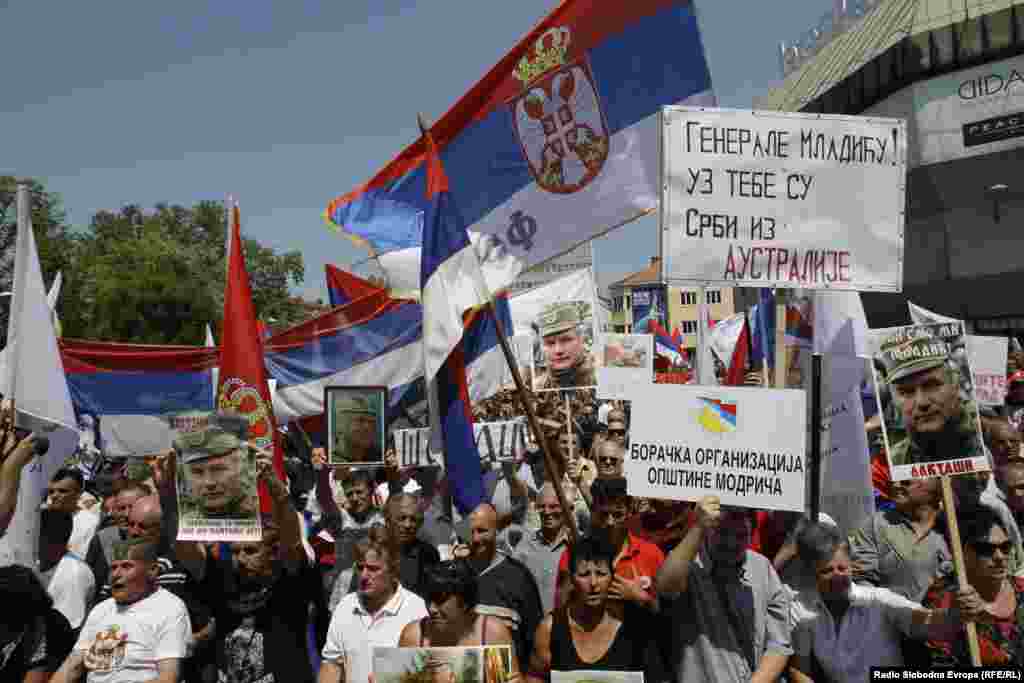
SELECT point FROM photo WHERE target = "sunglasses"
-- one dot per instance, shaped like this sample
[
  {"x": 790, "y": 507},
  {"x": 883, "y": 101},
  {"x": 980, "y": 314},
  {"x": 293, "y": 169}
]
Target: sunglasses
[
  {"x": 611, "y": 460},
  {"x": 986, "y": 549},
  {"x": 616, "y": 432}
]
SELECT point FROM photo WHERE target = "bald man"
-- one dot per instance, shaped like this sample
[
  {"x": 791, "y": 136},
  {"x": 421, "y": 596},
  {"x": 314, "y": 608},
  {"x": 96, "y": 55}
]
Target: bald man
[
  {"x": 505, "y": 585},
  {"x": 539, "y": 551}
]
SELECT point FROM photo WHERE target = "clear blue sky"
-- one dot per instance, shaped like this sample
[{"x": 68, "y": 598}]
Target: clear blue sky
[{"x": 287, "y": 104}]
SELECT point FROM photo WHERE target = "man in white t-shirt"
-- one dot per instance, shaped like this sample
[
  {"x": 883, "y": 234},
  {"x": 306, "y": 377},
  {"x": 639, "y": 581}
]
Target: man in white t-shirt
[
  {"x": 374, "y": 616},
  {"x": 67, "y": 578},
  {"x": 139, "y": 635}
]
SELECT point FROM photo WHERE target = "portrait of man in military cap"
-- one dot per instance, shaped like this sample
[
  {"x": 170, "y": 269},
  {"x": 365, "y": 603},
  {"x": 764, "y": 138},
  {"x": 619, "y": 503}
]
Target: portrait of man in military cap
[
  {"x": 218, "y": 474},
  {"x": 356, "y": 429},
  {"x": 564, "y": 330},
  {"x": 927, "y": 374}
]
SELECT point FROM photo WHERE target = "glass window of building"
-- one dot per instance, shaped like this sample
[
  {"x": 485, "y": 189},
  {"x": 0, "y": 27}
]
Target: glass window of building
[
  {"x": 688, "y": 298},
  {"x": 689, "y": 327},
  {"x": 1000, "y": 29},
  {"x": 714, "y": 296},
  {"x": 944, "y": 47},
  {"x": 971, "y": 39},
  {"x": 917, "y": 55}
]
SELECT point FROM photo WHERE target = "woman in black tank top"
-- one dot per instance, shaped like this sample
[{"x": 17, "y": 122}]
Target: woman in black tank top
[
  {"x": 583, "y": 635},
  {"x": 453, "y": 621}
]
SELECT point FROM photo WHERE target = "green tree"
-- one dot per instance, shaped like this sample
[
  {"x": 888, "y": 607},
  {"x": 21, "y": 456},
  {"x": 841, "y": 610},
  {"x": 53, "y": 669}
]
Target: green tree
[{"x": 158, "y": 277}]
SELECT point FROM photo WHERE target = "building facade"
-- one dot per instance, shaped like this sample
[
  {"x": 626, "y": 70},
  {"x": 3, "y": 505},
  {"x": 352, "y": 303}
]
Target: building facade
[
  {"x": 681, "y": 303},
  {"x": 955, "y": 72}
]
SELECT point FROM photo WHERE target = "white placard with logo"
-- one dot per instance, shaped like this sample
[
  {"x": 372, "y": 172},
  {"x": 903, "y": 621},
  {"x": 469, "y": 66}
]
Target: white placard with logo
[
  {"x": 774, "y": 199},
  {"x": 746, "y": 445},
  {"x": 628, "y": 362}
]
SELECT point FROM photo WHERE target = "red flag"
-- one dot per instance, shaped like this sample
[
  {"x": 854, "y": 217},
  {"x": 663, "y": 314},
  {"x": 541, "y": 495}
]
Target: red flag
[
  {"x": 242, "y": 387},
  {"x": 737, "y": 371}
]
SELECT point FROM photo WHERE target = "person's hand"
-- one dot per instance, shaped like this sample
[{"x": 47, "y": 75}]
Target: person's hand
[
  {"x": 753, "y": 379},
  {"x": 709, "y": 512},
  {"x": 970, "y": 604},
  {"x": 460, "y": 551},
  {"x": 265, "y": 473},
  {"x": 164, "y": 470},
  {"x": 8, "y": 439},
  {"x": 22, "y": 453},
  {"x": 319, "y": 458},
  {"x": 630, "y": 590}
]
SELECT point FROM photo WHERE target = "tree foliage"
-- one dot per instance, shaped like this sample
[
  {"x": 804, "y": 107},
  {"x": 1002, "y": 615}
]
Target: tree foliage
[{"x": 149, "y": 277}]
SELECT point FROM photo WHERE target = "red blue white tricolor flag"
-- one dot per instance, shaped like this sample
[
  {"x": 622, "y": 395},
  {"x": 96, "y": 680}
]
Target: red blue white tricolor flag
[
  {"x": 452, "y": 291},
  {"x": 555, "y": 145}
]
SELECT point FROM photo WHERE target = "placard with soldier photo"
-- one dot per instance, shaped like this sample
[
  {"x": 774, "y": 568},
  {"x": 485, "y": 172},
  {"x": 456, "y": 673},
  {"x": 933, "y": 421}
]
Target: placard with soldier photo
[
  {"x": 355, "y": 425},
  {"x": 216, "y": 479},
  {"x": 487, "y": 664},
  {"x": 564, "y": 341},
  {"x": 933, "y": 428},
  {"x": 628, "y": 362}
]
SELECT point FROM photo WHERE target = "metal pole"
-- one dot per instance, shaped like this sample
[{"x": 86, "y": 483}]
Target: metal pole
[
  {"x": 814, "y": 471},
  {"x": 524, "y": 399}
]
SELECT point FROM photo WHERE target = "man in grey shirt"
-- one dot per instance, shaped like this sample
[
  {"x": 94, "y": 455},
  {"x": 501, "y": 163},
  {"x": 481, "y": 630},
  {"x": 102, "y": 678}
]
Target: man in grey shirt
[
  {"x": 541, "y": 550},
  {"x": 729, "y": 611},
  {"x": 903, "y": 549}
]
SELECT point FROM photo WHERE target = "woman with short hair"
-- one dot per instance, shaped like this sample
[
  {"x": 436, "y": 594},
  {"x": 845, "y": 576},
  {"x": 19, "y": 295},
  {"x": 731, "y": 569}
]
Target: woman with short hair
[
  {"x": 583, "y": 635},
  {"x": 452, "y": 620}
]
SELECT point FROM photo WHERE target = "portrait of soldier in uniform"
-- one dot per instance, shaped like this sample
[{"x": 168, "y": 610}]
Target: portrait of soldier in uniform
[
  {"x": 926, "y": 382},
  {"x": 357, "y": 430},
  {"x": 219, "y": 475},
  {"x": 568, "y": 363}
]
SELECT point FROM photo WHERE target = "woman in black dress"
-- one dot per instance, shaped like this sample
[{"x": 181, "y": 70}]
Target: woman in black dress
[{"x": 583, "y": 635}]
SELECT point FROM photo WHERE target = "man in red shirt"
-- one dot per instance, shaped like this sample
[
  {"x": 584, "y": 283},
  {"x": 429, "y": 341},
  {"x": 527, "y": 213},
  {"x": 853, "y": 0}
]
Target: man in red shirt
[{"x": 636, "y": 562}]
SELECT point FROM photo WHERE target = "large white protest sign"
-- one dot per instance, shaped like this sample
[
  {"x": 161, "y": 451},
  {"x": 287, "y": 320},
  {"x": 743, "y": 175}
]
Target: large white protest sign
[
  {"x": 503, "y": 441},
  {"x": 773, "y": 199},
  {"x": 628, "y": 362},
  {"x": 743, "y": 444},
  {"x": 988, "y": 365}
]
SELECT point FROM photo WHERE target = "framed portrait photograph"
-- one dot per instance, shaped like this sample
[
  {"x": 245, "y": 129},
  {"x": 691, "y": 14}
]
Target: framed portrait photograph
[{"x": 356, "y": 425}]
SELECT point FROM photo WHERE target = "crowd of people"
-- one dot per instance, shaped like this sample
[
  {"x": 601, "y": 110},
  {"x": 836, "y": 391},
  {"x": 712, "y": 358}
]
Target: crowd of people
[{"x": 352, "y": 558}]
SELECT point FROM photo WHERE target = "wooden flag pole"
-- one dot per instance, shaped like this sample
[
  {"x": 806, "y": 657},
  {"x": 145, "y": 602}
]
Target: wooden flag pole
[
  {"x": 949, "y": 502},
  {"x": 524, "y": 399}
]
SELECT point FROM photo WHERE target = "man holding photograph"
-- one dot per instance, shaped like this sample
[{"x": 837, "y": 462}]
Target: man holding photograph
[
  {"x": 217, "y": 467},
  {"x": 926, "y": 385},
  {"x": 356, "y": 438},
  {"x": 567, "y": 363}
]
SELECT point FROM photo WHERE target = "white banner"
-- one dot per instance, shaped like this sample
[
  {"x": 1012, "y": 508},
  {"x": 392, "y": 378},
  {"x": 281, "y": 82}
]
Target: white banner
[
  {"x": 628, "y": 363},
  {"x": 773, "y": 199},
  {"x": 988, "y": 365},
  {"x": 496, "y": 441},
  {"x": 746, "y": 445}
]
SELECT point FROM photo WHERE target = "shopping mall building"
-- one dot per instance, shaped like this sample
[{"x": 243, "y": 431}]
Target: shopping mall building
[{"x": 954, "y": 69}]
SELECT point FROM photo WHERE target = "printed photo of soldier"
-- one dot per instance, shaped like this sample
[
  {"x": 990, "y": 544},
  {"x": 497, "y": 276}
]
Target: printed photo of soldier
[
  {"x": 565, "y": 337},
  {"x": 927, "y": 374},
  {"x": 216, "y": 478},
  {"x": 356, "y": 429},
  {"x": 626, "y": 351}
]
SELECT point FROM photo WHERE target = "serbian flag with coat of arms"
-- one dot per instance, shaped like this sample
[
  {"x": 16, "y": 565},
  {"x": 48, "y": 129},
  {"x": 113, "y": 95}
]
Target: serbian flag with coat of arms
[
  {"x": 453, "y": 292},
  {"x": 558, "y": 143},
  {"x": 242, "y": 384}
]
